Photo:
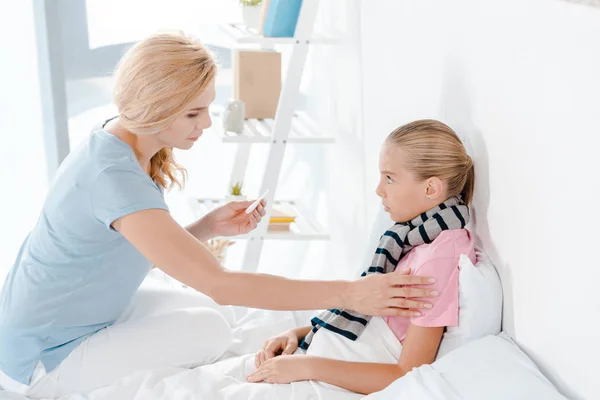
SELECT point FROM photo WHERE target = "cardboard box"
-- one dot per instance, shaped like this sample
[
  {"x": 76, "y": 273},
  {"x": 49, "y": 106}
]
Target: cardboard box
[{"x": 257, "y": 81}]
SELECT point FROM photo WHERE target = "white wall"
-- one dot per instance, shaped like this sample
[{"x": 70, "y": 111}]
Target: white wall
[{"x": 521, "y": 80}]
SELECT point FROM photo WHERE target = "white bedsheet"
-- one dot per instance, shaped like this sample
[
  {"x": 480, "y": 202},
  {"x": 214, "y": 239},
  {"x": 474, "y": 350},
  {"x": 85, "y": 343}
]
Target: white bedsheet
[{"x": 226, "y": 378}]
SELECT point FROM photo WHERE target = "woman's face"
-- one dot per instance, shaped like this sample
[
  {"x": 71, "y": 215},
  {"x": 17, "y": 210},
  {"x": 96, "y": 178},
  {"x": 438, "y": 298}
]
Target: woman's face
[
  {"x": 188, "y": 127},
  {"x": 403, "y": 196}
]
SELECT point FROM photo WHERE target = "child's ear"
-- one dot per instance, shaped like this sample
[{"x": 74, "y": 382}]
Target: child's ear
[{"x": 434, "y": 188}]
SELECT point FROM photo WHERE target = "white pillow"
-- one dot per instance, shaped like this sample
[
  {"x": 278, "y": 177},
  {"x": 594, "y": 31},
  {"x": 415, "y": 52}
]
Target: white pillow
[
  {"x": 480, "y": 303},
  {"x": 490, "y": 368},
  {"x": 480, "y": 293}
]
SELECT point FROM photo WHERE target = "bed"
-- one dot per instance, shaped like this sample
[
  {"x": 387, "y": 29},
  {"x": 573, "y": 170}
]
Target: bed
[
  {"x": 492, "y": 367},
  {"x": 475, "y": 360}
]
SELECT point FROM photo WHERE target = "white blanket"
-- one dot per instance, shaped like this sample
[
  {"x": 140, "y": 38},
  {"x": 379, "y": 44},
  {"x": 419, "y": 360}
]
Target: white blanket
[
  {"x": 226, "y": 378},
  {"x": 423, "y": 383}
]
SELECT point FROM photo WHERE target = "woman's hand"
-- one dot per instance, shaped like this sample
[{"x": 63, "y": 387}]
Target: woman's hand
[
  {"x": 282, "y": 369},
  {"x": 284, "y": 344},
  {"x": 231, "y": 219},
  {"x": 389, "y": 294}
]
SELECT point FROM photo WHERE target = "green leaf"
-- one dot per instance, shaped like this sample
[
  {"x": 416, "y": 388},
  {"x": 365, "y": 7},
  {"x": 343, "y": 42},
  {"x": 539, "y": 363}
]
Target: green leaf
[{"x": 250, "y": 3}]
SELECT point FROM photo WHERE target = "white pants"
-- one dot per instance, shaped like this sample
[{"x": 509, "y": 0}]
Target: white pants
[{"x": 162, "y": 328}]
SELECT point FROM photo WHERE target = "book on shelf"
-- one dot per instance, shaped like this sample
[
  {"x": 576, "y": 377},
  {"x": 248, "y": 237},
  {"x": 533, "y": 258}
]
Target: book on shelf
[
  {"x": 280, "y": 220},
  {"x": 280, "y": 217},
  {"x": 263, "y": 15},
  {"x": 279, "y": 227},
  {"x": 280, "y": 18}
]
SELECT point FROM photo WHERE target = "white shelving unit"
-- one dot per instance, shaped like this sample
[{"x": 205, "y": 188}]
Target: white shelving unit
[
  {"x": 289, "y": 127},
  {"x": 242, "y": 35},
  {"x": 303, "y": 130}
]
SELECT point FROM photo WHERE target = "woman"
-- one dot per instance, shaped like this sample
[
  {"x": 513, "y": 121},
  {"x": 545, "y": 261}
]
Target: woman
[
  {"x": 105, "y": 223},
  {"x": 426, "y": 185}
]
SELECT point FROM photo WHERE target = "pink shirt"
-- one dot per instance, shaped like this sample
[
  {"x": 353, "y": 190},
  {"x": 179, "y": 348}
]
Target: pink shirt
[{"x": 438, "y": 259}]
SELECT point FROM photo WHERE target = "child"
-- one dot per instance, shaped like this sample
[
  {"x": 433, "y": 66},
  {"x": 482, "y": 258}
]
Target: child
[{"x": 426, "y": 186}]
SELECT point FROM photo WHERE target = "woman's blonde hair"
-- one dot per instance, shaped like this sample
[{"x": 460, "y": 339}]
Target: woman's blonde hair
[
  {"x": 434, "y": 149},
  {"x": 155, "y": 80}
]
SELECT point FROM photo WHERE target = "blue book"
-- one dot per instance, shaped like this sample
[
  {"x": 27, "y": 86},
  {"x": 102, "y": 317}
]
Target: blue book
[{"x": 281, "y": 18}]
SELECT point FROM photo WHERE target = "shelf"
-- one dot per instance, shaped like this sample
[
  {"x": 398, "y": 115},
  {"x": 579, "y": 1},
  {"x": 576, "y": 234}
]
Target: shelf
[
  {"x": 304, "y": 130},
  {"x": 239, "y": 33},
  {"x": 304, "y": 228}
]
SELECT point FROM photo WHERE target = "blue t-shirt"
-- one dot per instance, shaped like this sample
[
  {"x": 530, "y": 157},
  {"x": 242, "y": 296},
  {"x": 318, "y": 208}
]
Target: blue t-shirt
[{"x": 74, "y": 274}]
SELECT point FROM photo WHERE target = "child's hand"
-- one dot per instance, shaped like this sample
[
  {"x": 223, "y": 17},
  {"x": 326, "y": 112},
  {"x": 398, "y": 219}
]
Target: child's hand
[
  {"x": 284, "y": 369},
  {"x": 284, "y": 344}
]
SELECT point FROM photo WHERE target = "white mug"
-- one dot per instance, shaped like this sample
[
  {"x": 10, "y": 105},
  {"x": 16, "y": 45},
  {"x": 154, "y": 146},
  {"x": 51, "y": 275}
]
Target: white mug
[{"x": 233, "y": 116}]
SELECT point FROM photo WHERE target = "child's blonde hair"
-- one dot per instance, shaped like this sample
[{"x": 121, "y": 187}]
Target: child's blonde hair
[
  {"x": 434, "y": 149},
  {"x": 155, "y": 80}
]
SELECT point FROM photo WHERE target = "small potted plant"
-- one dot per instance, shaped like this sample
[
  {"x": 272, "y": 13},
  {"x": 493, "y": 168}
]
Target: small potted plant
[
  {"x": 251, "y": 13},
  {"x": 236, "y": 192}
]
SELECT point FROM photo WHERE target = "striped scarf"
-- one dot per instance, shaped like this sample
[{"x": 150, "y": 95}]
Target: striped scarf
[{"x": 394, "y": 244}]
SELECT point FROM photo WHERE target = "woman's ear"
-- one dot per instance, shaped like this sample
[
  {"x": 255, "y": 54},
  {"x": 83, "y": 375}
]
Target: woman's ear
[{"x": 434, "y": 188}]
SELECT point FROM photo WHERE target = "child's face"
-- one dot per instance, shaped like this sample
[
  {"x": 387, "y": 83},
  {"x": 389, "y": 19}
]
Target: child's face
[{"x": 403, "y": 196}]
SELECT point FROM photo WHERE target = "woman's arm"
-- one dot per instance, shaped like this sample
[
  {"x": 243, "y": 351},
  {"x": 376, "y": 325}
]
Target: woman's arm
[
  {"x": 200, "y": 230},
  {"x": 419, "y": 347},
  {"x": 174, "y": 250}
]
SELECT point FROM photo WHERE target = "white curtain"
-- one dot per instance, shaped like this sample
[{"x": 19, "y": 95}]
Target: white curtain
[
  {"x": 110, "y": 21},
  {"x": 22, "y": 160},
  {"x": 336, "y": 193}
]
